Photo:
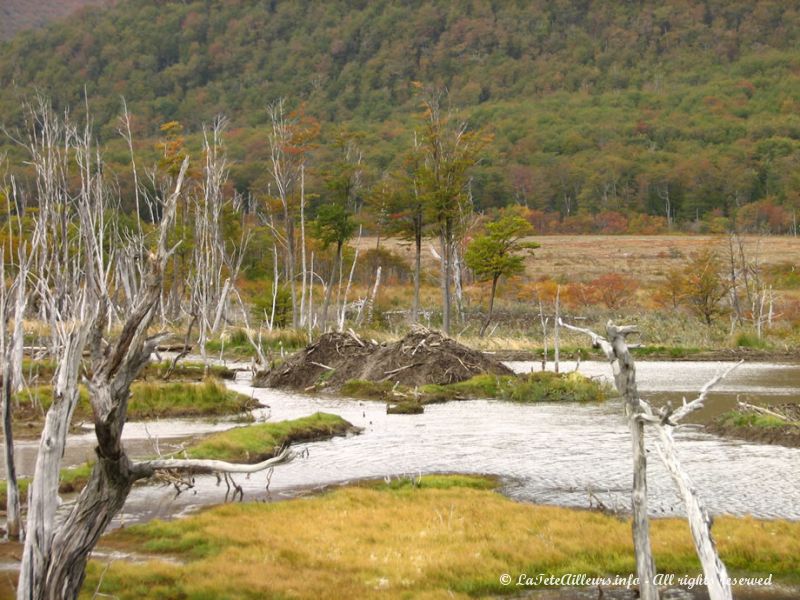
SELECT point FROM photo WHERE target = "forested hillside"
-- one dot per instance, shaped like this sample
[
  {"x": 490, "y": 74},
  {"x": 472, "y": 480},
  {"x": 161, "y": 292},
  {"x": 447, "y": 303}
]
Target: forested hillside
[
  {"x": 599, "y": 110},
  {"x": 17, "y": 15}
]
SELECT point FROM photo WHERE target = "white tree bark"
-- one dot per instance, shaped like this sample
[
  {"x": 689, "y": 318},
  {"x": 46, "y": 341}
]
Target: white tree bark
[
  {"x": 625, "y": 380},
  {"x": 640, "y": 412}
]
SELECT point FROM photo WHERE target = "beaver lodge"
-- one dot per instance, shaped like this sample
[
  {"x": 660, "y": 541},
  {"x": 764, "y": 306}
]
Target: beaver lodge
[{"x": 421, "y": 357}]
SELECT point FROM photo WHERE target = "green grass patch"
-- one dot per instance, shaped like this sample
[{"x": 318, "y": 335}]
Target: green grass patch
[
  {"x": 540, "y": 386},
  {"x": 407, "y": 407},
  {"x": 42, "y": 371},
  {"x": 149, "y": 400},
  {"x": 664, "y": 351},
  {"x": 367, "y": 390},
  {"x": 209, "y": 398},
  {"x": 737, "y": 418},
  {"x": 255, "y": 443},
  {"x": 750, "y": 340},
  {"x": 73, "y": 479},
  {"x": 437, "y": 536},
  {"x": 437, "y": 482},
  {"x": 186, "y": 371},
  {"x": 236, "y": 344}
]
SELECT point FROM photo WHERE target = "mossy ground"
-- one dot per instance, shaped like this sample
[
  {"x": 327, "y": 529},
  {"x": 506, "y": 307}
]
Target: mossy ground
[
  {"x": 436, "y": 537},
  {"x": 541, "y": 386},
  {"x": 255, "y": 443},
  {"x": 149, "y": 400},
  {"x": 758, "y": 428}
]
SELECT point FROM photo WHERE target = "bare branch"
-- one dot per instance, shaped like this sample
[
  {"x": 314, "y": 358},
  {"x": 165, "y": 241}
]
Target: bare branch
[
  {"x": 147, "y": 468},
  {"x": 698, "y": 402},
  {"x": 598, "y": 341}
]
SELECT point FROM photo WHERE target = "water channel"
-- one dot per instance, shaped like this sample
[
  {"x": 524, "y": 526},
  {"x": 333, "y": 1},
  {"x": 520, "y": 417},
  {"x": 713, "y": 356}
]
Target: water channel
[{"x": 543, "y": 453}]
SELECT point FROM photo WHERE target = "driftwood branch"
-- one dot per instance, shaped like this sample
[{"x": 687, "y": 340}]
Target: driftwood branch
[
  {"x": 149, "y": 467},
  {"x": 322, "y": 366},
  {"x": 762, "y": 410},
  {"x": 597, "y": 340}
]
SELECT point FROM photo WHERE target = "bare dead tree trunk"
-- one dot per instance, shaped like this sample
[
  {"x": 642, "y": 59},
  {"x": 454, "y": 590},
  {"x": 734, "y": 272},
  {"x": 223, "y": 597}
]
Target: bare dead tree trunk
[
  {"x": 556, "y": 329},
  {"x": 311, "y": 319},
  {"x": 326, "y": 302},
  {"x": 417, "y": 270},
  {"x": 445, "y": 276},
  {"x": 457, "y": 273},
  {"x": 543, "y": 321},
  {"x": 303, "y": 265},
  {"x": 734, "y": 284},
  {"x": 616, "y": 350},
  {"x": 491, "y": 306},
  {"x": 625, "y": 378},
  {"x": 285, "y": 171},
  {"x": 714, "y": 570},
  {"x": 371, "y": 305},
  {"x": 7, "y": 352},
  {"x": 343, "y": 313},
  {"x": 43, "y": 492}
]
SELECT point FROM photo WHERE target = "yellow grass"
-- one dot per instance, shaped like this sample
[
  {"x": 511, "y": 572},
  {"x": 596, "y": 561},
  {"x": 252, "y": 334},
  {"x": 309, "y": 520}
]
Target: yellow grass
[
  {"x": 584, "y": 257},
  {"x": 441, "y": 541}
]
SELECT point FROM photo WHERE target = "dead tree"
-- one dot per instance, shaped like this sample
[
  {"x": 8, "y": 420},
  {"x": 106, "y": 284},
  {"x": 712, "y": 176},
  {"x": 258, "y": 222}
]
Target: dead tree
[
  {"x": 11, "y": 347},
  {"x": 9, "y": 382},
  {"x": 55, "y": 554},
  {"x": 640, "y": 413},
  {"x": 215, "y": 261},
  {"x": 287, "y": 157}
]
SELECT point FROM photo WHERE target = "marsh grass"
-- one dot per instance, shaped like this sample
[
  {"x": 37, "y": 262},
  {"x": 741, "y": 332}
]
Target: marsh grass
[
  {"x": 208, "y": 398},
  {"x": 750, "y": 340},
  {"x": 186, "y": 371},
  {"x": 73, "y": 479},
  {"x": 149, "y": 400},
  {"x": 442, "y": 538},
  {"x": 737, "y": 418},
  {"x": 254, "y": 443},
  {"x": 539, "y": 386},
  {"x": 235, "y": 343},
  {"x": 41, "y": 371}
]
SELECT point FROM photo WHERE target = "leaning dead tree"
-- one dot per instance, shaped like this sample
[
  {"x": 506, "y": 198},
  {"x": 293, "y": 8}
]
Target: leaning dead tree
[
  {"x": 639, "y": 414},
  {"x": 76, "y": 299}
]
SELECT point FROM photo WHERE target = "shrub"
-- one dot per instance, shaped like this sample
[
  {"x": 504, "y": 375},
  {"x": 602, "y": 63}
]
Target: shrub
[{"x": 749, "y": 340}]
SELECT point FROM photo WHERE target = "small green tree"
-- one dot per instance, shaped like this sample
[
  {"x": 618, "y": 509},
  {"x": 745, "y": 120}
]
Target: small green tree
[{"x": 499, "y": 252}]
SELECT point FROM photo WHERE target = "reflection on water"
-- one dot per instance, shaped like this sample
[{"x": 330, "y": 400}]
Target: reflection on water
[{"x": 545, "y": 453}]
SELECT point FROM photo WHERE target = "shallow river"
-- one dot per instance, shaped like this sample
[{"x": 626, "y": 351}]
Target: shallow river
[{"x": 545, "y": 453}]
